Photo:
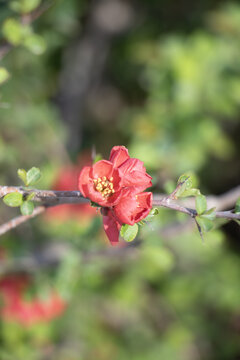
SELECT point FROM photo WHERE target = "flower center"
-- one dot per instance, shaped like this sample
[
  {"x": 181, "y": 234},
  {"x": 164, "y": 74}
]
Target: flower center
[{"x": 104, "y": 186}]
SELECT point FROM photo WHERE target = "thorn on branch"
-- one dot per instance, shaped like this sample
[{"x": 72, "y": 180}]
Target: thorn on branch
[{"x": 199, "y": 229}]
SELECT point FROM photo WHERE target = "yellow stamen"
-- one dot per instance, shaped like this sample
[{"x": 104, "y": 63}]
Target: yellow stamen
[{"x": 104, "y": 186}]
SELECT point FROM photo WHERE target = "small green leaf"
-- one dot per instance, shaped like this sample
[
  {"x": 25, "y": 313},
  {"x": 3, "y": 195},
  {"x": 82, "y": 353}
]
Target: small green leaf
[
  {"x": 4, "y": 75},
  {"x": 129, "y": 232},
  {"x": 97, "y": 158},
  {"x": 204, "y": 223},
  {"x": 237, "y": 206},
  {"x": 151, "y": 215},
  {"x": 191, "y": 192},
  {"x": 185, "y": 179},
  {"x": 201, "y": 204},
  {"x": 154, "y": 211},
  {"x": 209, "y": 214},
  {"x": 237, "y": 221},
  {"x": 35, "y": 43},
  {"x": 24, "y": 6},
  {"x": 93, "y": 204},
  {"x": 22, "y": 174},
  {"x": 13, "y": 199},
  {"x": 184, "y": 183},
  {"x": 13, "y": 30},
  {"x": 30, "y": 196},
  {"x": 27, "y": 208},
  {"x": 33, "y": 176}
]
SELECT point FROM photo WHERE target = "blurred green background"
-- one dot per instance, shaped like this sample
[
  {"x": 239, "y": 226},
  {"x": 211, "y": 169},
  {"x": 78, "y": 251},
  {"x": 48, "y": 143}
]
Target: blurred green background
[{"x": 163, "y": 79}]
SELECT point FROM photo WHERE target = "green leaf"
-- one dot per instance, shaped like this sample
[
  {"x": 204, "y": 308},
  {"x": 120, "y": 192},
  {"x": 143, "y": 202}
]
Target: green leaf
[
  {"x": 209, "y": 214},
  {"x": 154, "y": 211},
  {"x": 30, "y": 196},
  {"x": 191, "y": 192},
  {"x": 204, "y": 223},
  {"x": 97, "y": 158},
  {"x": 22, "y": 174},
  {"x": 4, "y": 75},
  {"x": 35, "y": 43},
  {"x": 237, "y": 206},
  {"x": 13, "y": 31},
  {"x": 33, "y": 176},
  {"x": 185, "y": 183},
  {"x": 93, "y": 204},
  {"x": 201, "y": 204},
  {"x": 24, "y": 6},
  {"x": 13, "y": 199},
  {"x": 129, "y": 232},
  {"x": 27, "y": 208},
  {"x": 151, "y": 215}
]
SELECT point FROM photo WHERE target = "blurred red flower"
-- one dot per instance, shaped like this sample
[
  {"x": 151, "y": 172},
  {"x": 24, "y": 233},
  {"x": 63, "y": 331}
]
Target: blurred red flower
[
  {"x": 15, "y": 307},
  {"x": 116, "y": 185}
]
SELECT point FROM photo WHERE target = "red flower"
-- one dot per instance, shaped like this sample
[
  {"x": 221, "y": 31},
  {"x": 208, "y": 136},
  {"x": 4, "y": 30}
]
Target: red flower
[
  {"x": 103, "y": 183},
  {"x": 16, "y": 308},
  {"x": 117, "y": 186}
]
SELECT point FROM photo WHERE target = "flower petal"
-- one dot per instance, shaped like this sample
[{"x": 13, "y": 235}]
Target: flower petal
[
  {"x": 119, "y": 154},
  {"x": 138, "y": 181},
  {"x": 111, "y": 227},
  {"x": 102, "y": 168},
  {"x": 117, "y": 179},
  {"x": 134, "y": 175},
  {"x": 132, "y": 164},
  {"x": 125, "y": 209},
  {"x": 144, "y": 201},
  {"x": 83, "y": 181},
  {"x": 133, "y": 208}
]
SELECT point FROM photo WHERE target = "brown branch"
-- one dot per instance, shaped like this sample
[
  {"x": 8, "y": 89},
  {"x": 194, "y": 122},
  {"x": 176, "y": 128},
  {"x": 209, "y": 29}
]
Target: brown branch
[
  {"x": 220, "y": 202},
  {"x": 48, "y": 197},
  {"x": 229, "y": 215},
  {"x": 53, "y": 198},
  {"x": 20, "y": 219}
]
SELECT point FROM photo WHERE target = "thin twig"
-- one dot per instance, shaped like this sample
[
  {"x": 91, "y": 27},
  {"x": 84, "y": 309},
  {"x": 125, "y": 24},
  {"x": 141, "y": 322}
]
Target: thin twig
[
  {"x": 49, "y": 197},
  {"x": 20, "y": 219}
]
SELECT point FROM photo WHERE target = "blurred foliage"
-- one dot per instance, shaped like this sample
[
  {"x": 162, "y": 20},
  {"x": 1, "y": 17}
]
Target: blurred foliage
[{"x": 174, "y": 101}]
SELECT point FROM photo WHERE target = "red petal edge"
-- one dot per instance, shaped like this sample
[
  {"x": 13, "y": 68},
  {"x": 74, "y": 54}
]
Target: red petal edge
[
  {"x": 118, "y": 155},
  {"x": 83, "y": 181},
  {"x": 111, "y": 227}
]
